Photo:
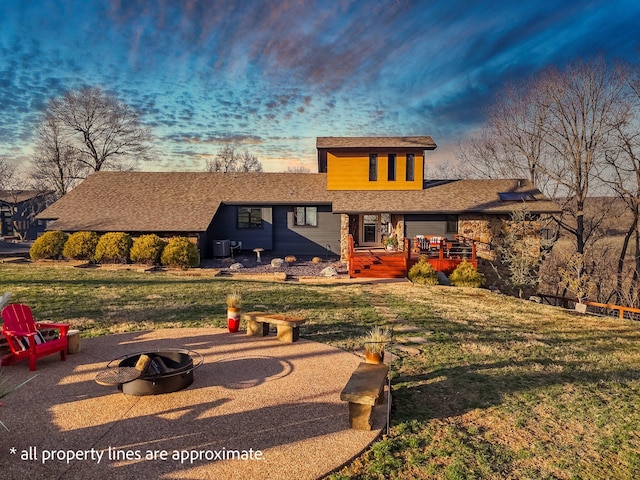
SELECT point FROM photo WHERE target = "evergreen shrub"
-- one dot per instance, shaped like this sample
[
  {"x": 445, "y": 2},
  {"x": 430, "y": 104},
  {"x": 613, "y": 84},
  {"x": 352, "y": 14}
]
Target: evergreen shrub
[
  {"x": 81, "y": 246},
  {"x": 49, "y": 245},
  {"x": 113, "y": 247},
  {"x": 147, "y": 249},
  {"x": 180, "y": 252},
  {"x": 423, "y": 273},
  {"x": 466, "y": 275}
]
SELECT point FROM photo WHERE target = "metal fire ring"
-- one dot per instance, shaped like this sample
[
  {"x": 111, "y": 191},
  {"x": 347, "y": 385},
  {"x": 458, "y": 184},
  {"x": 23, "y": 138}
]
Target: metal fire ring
[{"x": 191, "y": 353}]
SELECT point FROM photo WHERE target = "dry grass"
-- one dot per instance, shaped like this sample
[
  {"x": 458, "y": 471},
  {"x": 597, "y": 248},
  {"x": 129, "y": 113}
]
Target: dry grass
[{"x": 504, "y": 388}]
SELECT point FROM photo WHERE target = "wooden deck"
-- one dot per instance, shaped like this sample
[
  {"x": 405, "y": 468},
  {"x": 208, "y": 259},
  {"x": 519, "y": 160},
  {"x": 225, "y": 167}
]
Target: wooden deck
[{"x": 380, "y": 263}]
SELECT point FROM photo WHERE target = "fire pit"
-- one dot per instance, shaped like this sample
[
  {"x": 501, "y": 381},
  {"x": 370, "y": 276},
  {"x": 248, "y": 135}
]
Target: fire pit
[{"x": 164, "y": 371}]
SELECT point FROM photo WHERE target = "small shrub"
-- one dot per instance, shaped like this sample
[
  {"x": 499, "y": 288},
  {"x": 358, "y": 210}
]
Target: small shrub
[
  {"x": 180, "y": 252},
  {"x": 423, "y": 273},
  {"x": 113, "y": 247},
  {"x": 81, "y": 245},
  {"x": 147, "y": 249},
  {"x": 466, "y": 275},
  {"x": 49, "y": 245}
]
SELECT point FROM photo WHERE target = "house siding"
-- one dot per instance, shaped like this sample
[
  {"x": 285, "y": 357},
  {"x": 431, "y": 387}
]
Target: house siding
[
  {"x": 278, "y": 235},
  {"x": 349, "y": 170},
  {"x": 225, "y": 226},
  {"x": 18, "y": 217},
  {"x": 290, "y": 239}
]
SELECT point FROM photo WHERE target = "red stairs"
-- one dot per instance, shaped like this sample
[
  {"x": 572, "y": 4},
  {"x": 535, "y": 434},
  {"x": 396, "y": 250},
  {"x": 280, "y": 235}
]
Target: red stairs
[{"x": 373, "y": 264}]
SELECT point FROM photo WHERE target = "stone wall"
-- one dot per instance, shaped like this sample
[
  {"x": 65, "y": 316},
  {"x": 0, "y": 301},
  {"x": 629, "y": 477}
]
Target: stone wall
[
  {"x": 344, "y": 237},
  {"x": 398, "y": 229},
  {"x": 484, "y": 230},
  {"x": 487, "y": 231}
]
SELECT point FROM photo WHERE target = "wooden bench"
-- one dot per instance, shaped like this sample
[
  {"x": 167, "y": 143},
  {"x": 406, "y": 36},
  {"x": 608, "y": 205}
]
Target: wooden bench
[
  {"x": 288, "y": 328},
  {"x": 363, "y": 391}
]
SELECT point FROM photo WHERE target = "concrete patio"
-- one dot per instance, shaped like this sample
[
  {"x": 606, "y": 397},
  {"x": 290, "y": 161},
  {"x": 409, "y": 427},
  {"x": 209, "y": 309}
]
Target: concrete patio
[{"x": 278, "y": 405}]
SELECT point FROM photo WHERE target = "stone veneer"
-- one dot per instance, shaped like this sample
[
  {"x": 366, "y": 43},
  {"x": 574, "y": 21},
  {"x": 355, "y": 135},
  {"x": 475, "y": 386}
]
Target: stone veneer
[
  {"x": 344, "y": 237},
  {"x": 486, "y": 230}
]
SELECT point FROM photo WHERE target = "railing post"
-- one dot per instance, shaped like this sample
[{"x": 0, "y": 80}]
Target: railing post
[
  {"x": 351, "y": 255},
  {"x": 406, "y": 244}
]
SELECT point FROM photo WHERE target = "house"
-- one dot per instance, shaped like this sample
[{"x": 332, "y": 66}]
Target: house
[
  {"x": 367, "y": 189},
  {"x": 18, "y": 209}
]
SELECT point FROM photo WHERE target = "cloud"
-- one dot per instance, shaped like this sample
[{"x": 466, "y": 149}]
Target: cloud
[{"x": 209, "y": 72}]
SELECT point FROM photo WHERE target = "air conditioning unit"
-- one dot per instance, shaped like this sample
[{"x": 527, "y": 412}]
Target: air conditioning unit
[{"x": 222, "y": 248}]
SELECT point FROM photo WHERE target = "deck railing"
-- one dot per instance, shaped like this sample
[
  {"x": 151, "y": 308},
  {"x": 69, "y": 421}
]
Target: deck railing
[
  {"x": 595, "y": 308},
  {"x": 444, "y": 257}
]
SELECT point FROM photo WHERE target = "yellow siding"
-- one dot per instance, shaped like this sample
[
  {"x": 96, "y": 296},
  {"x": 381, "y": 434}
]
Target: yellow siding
[{"x": 350, "y": 171}]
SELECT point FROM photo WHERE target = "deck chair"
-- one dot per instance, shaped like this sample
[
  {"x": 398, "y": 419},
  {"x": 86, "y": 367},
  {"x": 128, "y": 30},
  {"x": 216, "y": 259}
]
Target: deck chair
[{"x": 24, "y": 337}]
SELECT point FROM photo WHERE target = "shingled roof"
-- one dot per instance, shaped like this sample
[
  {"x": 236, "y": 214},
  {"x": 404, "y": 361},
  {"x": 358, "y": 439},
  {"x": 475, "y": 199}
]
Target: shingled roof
[
  {"x": 446, "y": 196},
  {"x": 187, "y": 202},
  {"x": 174, "y": 201},
  {"x": 421, "y": 142},
  {"x": 18, "y": 196}
]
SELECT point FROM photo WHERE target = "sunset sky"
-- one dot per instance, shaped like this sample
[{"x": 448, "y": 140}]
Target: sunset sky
[{"x": 272, "y": 76}]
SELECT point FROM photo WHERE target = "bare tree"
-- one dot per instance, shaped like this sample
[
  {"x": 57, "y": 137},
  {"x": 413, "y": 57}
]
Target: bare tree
[
  {"x": 229, "y": 160},
  {"x": 7, "y": 173},
  {"x": 103, "y": 132},
  {"x": 622, "y": 173},
  {"x": 585, "y": 103},
  {"x": 54, "y": 166},
  {"x": 512, "y": 144},
  {"x": 248, "y": 162},
  {"x": 555, "y": 130},
  {"x": 519, "y": 251}
]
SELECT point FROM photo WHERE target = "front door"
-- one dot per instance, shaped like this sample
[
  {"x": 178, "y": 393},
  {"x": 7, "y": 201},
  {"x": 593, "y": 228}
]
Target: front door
[{"x": 373, "y": 226}]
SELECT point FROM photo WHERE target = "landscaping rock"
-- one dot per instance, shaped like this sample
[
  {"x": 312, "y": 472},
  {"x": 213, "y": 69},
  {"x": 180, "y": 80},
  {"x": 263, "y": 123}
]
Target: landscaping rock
[
  {"x": 277, "y": 262},
  {"x": 409, "y": 350},
  {"x": 226, "y": 262},
  {"x": 329, "y": 272},
  {"x": 443, "y": 279},
  {"x": 316, "y": 260},
  {"x": 236, "y": 266},
  {"x": 418, "y": 340}
]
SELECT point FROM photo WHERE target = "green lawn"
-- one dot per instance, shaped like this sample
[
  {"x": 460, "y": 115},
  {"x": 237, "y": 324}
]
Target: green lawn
[{"x": 503, "y": 388}]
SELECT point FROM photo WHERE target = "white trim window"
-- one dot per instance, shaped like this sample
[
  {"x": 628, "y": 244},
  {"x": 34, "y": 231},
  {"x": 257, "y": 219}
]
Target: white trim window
[{"x": 305, "y": 216}]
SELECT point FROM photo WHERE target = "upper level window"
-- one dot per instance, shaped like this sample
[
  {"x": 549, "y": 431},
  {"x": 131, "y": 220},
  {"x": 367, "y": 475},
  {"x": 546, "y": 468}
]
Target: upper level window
[
  {"x": 373, "y": 167},
  {"x": 391, "y": 167},
  {"x": 306, "y": 216},
  {"x": 249, "y": 217},
  {"x": 411, "y": 162}
]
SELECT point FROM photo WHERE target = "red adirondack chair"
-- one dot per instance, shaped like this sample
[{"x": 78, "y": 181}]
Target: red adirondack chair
[{"x": 25, "y": 339}]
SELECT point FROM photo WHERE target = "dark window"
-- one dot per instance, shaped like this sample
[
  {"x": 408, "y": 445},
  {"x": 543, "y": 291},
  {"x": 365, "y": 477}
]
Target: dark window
[
  {"x": 452, "y": 224},
  {"x": 391, "y": 167},
  {"x": 411, "y": 162},
  {"x": 373, "y": 167},
  {"x": 249, "y": 217},
  {"x": 306, "y": 216}
]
